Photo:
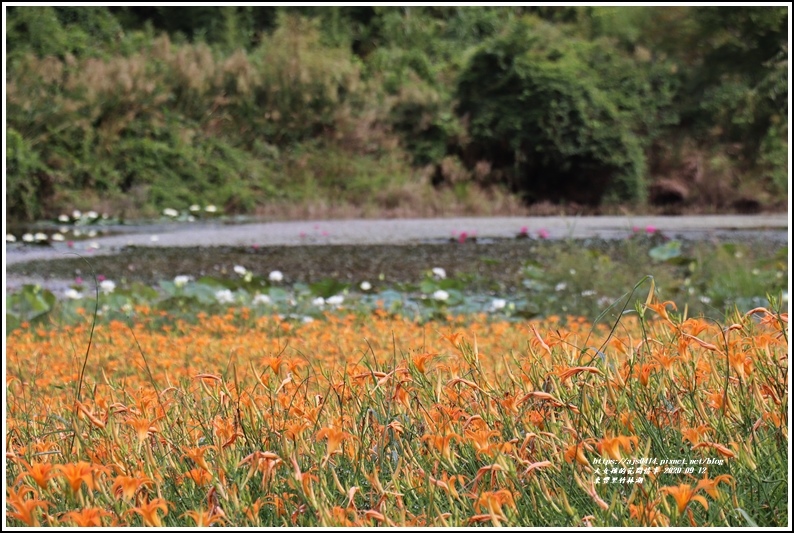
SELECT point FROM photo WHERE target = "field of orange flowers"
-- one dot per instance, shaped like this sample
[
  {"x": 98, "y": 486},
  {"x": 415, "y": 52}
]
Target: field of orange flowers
[{"x": 374, "y": 419}]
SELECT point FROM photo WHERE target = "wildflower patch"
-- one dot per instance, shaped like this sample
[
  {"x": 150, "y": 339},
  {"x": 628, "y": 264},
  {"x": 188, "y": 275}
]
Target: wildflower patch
[{"x": 366, "y": 419}]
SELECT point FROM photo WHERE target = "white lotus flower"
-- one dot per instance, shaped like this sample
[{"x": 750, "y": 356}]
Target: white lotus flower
[
  {"x": 498, "y": 303},
  {"x": 57, "y": 237},
  {"x": 73, "y": 294},
  {"x": 210, "y": 209},
  {"x": 276, "y": 275},
  {"x": 365, "y": 285},
  {"x": 107, "y": 286},
  {"x": 40, "y": 236},
  {"x": 241, "y": 270},
  {"x": 92, "y": 233},
  {"x": 441, "y": 295},
  {"x": 195, "y": 207},
  {"x": 169, "y": 212},
  {"x": 181, "y": 280},
  {"x": 262, "y": 299},
  {"x": 319, "y": 301},
  {"x": 10, "y": 238},
  {"x": 224, "y": 296},
  {"x": 439, "y": 273},
  {"x": 63, "y": 218},
  {"x": 93, "y": 245},
  {"x": 335, "y": 300},
  {"x": 76, "y": 213},
  {"x": 92, "y": 214},
  {"x": 27, "y": 237}
]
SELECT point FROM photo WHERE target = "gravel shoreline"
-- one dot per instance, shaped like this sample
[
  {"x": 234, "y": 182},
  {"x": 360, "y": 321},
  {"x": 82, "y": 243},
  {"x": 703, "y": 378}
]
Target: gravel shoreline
[{"x": 315, "y": 249}]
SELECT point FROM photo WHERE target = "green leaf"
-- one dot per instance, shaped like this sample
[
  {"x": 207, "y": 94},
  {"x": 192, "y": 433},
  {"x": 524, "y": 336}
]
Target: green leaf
[
  {"x": 327, "y": 287},
  {"x": 665, "y": 252},
  {"x": 750, "y": 521}
]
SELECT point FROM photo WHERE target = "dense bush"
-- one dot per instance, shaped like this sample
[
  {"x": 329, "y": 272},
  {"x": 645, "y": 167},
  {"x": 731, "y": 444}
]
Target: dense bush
[
  {"x": 139, "y": 107},
  {"x": 563, "y": 115}
]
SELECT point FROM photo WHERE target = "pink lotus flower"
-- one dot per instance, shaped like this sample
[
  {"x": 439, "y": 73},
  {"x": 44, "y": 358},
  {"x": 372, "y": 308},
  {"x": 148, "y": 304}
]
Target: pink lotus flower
[
  {"x": 543, "y": 233},
  {"x": 524, "y": 230},
  {"x": 78, "y": 280},
  {"x": 100, "y": 278},
  {"x": 650, "y": 230},
  {"x": 462, "y": 237}
]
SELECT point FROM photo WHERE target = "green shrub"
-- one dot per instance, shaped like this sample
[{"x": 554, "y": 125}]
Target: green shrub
[
  {"x": 27, "y": 180},
  {"x": 568, "y": 119}
]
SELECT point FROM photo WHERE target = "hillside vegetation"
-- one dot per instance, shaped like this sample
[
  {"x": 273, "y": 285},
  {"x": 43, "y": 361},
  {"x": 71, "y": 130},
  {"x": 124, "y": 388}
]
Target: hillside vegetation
[{"x": 390, "y": 111}]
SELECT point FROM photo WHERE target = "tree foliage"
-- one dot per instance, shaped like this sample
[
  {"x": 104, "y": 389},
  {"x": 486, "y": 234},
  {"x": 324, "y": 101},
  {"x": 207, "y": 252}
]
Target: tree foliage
[{"x": 556, "y": 103}]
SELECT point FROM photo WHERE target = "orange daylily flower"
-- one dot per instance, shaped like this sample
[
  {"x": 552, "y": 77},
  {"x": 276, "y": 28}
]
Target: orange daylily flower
[
  {"x": 205, "y": 518},
  {"x": 534, "y": 466},
  {"x": 39, "y": 472},
  {"x": 683, "y": 495},
  {"x": 493, "y": 502},
  {"x": 294, "y": 428},
  {"x": 226, "y": 430},
  {"x": 197, "y": 456},
  {"x": 91, "y": 416},
  {"x": 442, "y": 443},
  {"x": 492, "y": 469},
  {"x": 576, "y": 451},
  {"x": 252, "y": 511},
  {"x": 24, "y": 508},
  {"x": 343, "y": 517},
  {"x": 724, "y": 450},
  {"x": 125, "y": 487},
  {"x": 304, "y": 478},
  {"x": 78, "y": 473},
  {"x": 148, "y": 510},
  {"x": 693, "y": 435},
  {"x": 701, "y": 343},
  {"x": 446, "y": 482},
  {"x": 452, "y": 338},
  {"x": 716, "y": 399},
  {"x": 378, "y": 516},
  {"x": 480, "y": 439},
  {"x": 199, "y": 476},
  {"x": 539, "y": 340},
  {"x": 710, "y": 485},
  {"x": 265, "y": 462},
  {"x": 88, "y": 517},
  {"x": 420, "y": 360},
  {"x": 611, "y": 445},
  {"x": 273, "y": 362},
  {"x": 570, "y": 372},
  {"x": 661, "y": 308},
  {"x": 647, "y": 515},
  {"x": 143, "y": 427},
  {"x": 334, "y": 437}
]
